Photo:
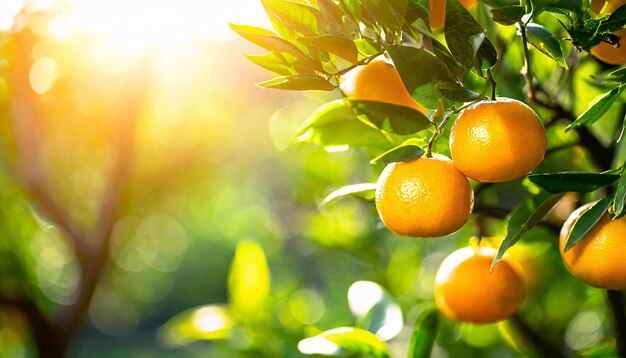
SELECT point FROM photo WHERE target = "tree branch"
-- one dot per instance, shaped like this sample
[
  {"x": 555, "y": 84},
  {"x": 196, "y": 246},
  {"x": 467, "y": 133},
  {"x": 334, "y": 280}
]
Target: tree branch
[
  {"x": 616, "y": 301},
  {"x": 542, "y": 346},
  {"x": 126, "y": 121},
  {"x": 43, "y": 331},
  {"x": 26, "y": 111}
]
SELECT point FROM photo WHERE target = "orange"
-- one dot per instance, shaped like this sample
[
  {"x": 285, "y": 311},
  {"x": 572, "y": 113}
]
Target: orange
[
  {"x": 466, "y": 290},
  {"x": 378, "y": 81},
  {"x": 599, "y": 258},
  {"x": 496, "y": 141},
  {"x": 610, "y": 54},
  {"x": 426, "y": 197},
  {"x": 437, "y": 12}
]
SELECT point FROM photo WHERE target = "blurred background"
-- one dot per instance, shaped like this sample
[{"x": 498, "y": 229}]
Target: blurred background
[{"x": 212, "y": 171}]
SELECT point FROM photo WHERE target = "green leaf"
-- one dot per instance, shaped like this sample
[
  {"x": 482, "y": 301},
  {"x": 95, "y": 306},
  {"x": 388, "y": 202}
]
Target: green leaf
[
  {"x": 298, "y": 83},
  {"x": 546, "y": 42},
  {"x": 264, "y": 38},
  {"x": 272, "y": 62},
  {"x": 334, "y": 21},
  {"x": 335, "y": 124},
  {"x": 392, "y": 118},
  {"x": 204, "y": 323},
  {"x": 573, "y": 5},
  {"x": 616, "y": 21},
  {"x": 423, "y": 73},
  {"x": 500, "y": 3},
  {"x": 292, "y": 15},
  {"x": 524, "y": 217},
  {"x": 248, "y": 280},
  {"x": 350, "y": 340},
  {"x": 405, "y": 152},
  {"x": 375, "y": 309},
  {"x": 455, "y": 92},
  {"x": 596, "y": 111},
  {"x": 587, "y": 221},
  {"x": 466, "y": 38},
  {"x": 556, "y": 183},
  {"x": 620, "y": 196},
  {"x": 424, "y": 334},
  {"x": 340, "y": 46},
  {"x": 364, "y": 191},
  {"x": 418, "y": 67},
  {"x": 508, "y": 15}
]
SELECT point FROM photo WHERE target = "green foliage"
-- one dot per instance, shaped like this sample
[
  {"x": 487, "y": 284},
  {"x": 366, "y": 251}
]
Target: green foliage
[
  {"x": 556, "y": 183},
  {"x": 339, "y": 341},
  {"x": 424, "y": 334},
  {"x": 587, "y": 221},
  {"x": 527, "y": 214}
]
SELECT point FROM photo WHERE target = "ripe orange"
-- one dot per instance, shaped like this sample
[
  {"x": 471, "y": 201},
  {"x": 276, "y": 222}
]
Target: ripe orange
[
  {"x": 610, "y": 54},
  {"x": 426, "y": 197},
  {"x": 378, "y": 81},
  {"x": 496, "y": 141},
  {"x": 466, "y": 290},
  {"x": 437, "y": 12},
  {"x": 599, "y": 258}
]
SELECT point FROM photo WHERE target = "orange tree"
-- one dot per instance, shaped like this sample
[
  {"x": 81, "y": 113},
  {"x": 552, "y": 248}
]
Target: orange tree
[{"x": 522, "y": 100}]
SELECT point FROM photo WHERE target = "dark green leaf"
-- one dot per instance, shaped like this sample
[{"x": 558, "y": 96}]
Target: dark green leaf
[
  {"x": 508, "y": 15},
  {"x": 418, "y": 67},
  {"x": 423, "y": 74},
  {"x": 587, "y": 221},
  {"x": 405, "y": 152},
  {"x": 524, "y": 217},
  {"x": 620, "y": 196},
  {"x": 596, "y": 111},
  {"x": 616, "y": 21},
  {"x": 424, "y": 334},
  {"x": 546, "y": 42},
  {"x": 392, "y": 118},
  {"x": 340, "y": 46},
  {"x": 573, "y": 5},
  {"x": 500, "y": 3},
  {"x": 365, "y": 191},
  {"x": 466, "y": 38},
  {"x": 298, "y": 83},
  {"x": 456, "y": 92},
  {"x": 573, "y": 181}
]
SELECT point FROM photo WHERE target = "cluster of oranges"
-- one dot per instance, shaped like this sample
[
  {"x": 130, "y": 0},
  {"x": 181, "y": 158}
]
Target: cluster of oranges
[
  {"x": 491, "y": 141},
  {"x": 431, "y": 196}
]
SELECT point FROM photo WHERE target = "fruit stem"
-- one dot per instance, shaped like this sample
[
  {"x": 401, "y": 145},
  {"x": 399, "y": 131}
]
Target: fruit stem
[
  {"x": 438, "y": 131},
  {"x": 492, "y": 79},
  {"x": 616, "y": 300},
  {"x": 364, "y": 61}
]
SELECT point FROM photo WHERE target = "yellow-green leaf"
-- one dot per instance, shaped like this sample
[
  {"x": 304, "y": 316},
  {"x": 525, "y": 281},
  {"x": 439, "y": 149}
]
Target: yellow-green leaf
[
  {"x": 248, "y": 280},
  {"x": 299, "y": 83},
  {"x": 210, "y": 322},
  {"x": 337, "y": 45}
]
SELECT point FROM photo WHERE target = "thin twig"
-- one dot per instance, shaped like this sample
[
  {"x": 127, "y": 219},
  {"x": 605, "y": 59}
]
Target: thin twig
[
  {"x": 616, "y": 301},
  {"x": 26, "y": 111},
  {"x": 542, "y": 346}
]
